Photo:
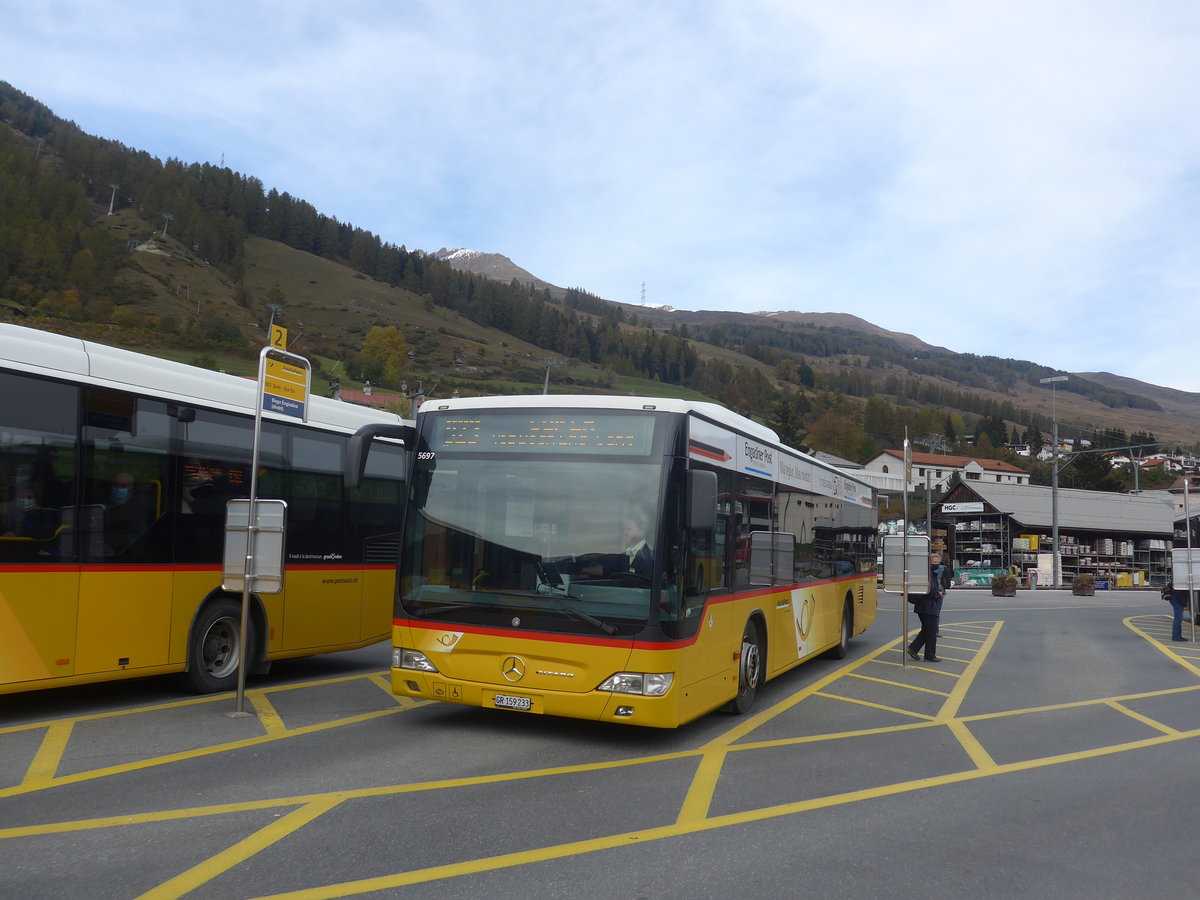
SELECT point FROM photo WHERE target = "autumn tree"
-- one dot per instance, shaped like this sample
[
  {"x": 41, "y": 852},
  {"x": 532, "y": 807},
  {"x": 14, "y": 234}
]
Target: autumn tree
[
  {"x": 386, "y": 345},
  {"x": 840, "y": 435}
]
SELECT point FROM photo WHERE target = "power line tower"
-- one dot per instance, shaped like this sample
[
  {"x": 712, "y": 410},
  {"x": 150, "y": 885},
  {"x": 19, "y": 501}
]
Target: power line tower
[
  {"x": 113, "y": 200},
  {"x": 167, "y": 217}
]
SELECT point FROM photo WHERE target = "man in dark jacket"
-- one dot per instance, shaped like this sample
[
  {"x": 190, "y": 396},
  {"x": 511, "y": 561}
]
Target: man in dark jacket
[
  {"x": 928, "y": 608},
  {"x": 1179, "y": 604}
]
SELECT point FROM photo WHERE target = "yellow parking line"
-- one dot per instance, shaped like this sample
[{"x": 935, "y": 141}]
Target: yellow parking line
[
  {"x": 383, "y": 681},
  {"x": 892, "y": 709},
  {"x": 1146, "y": 720},
  {"x": 1161, "y": 646},
  {"x": 193, "y": 754},
  {"x": 696, "y": 826},
  {"x": 950, "y": 710},
  {"x": 188, "y": 881},
  {"x": 699, "y": 796},
  {"x": 971, "y": 744},
  {"x": 942, "y": 672},
  {"x": 899, "y": 684},
  {"x": 116, "y": 714},
  {"x": 267, "y": 716},
  {"x": 45, "y": 762}
]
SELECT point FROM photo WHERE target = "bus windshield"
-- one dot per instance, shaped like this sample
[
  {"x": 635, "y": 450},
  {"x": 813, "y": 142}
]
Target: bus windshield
[{"x": 558, "y": 534}]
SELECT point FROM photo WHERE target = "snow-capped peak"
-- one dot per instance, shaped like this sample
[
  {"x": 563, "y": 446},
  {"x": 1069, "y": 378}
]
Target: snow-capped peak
[{"x": 462, "y": 253}]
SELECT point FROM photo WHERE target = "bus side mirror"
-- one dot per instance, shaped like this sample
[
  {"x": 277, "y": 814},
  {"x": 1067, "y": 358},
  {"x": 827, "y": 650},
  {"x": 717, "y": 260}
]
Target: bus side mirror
[
  {"x": 701, "y": 512},
  {"x": 359, "y": 446}
]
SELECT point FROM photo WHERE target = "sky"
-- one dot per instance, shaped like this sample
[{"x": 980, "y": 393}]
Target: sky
[{"x": 1003, "y": 177}]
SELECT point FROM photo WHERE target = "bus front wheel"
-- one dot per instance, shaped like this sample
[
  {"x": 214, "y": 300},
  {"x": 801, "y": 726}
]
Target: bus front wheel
[
  {"x": 214, "y": 646},
  {"x": 750, "y": 670}
]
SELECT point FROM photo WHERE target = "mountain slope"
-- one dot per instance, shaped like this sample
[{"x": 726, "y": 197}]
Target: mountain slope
[
  {"x": 848, "y": 321},
  {"x": 1180, "y": 403}
]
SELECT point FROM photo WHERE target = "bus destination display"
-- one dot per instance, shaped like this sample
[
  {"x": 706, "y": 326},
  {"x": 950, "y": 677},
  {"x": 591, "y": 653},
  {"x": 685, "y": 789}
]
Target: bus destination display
[{"x": 631, "y": 435}]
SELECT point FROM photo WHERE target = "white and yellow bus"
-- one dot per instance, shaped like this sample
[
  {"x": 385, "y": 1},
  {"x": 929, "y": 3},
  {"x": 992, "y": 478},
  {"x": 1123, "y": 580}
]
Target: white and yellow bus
[
  {"x": 114, "y": 473},
  {"x": 622, "y": 559}
]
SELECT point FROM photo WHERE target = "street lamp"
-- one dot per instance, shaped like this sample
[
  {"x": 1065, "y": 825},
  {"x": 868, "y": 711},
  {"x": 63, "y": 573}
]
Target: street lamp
[{"x": 1052, "y": 381}]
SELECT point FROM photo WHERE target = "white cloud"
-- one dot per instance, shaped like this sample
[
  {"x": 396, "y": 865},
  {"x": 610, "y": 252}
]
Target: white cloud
[{"x": 1009, "y": 178}]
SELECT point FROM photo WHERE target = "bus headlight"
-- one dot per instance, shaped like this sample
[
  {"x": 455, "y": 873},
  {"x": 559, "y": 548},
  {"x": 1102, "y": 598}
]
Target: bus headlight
[
  {"x": 648, "y": 684},
  {"x": 403, "y": 658}
]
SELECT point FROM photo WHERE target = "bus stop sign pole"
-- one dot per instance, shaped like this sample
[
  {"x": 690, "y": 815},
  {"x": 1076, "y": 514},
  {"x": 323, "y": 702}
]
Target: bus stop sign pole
[{"x": 283, "y": 388}]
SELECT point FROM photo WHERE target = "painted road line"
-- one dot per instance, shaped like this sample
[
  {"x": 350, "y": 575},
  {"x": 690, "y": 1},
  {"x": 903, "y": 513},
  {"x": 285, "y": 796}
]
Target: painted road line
[
  {"x": 879, "y": 706},
  {"x": 899, "y": 684},
  {"x": 46, "y": 761},
  {"x": 188, "y": 881},
  {"x": 315, "y": 803},
  {"x": 1145, "y": 720},
  {"x": 1138, "y": 624},
  {"x": 197, "y": 753},
  {"x": 694, "y": 826},
  {"x": 267, "y": 716}
]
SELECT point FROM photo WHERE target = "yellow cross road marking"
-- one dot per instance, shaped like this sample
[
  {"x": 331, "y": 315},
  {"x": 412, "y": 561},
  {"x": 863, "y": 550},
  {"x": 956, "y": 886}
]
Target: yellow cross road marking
[{"x": 693, "y": 817}]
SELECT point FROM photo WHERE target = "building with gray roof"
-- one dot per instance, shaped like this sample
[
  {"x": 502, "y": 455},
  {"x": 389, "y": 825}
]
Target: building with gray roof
[{"x": 993, "y": 528}]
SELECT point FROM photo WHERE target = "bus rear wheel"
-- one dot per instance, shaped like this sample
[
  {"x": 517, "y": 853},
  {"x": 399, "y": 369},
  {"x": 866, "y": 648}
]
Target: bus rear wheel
[
  {"x": 214, "y": 647},
  {"x": 842, "y": 647},
  {"x": 750, "y": 670}
]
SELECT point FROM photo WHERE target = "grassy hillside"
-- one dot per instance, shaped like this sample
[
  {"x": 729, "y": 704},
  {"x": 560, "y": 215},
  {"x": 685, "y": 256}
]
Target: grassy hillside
[{"x": 328, "y": 309}]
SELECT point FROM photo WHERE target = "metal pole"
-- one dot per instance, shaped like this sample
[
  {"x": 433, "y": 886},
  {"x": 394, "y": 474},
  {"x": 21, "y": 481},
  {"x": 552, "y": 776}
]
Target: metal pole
[
  {"x": 1054, "y": 508},
  {"x": 1053, "y": 381},
  {"x": 240, "y": 705},
  {"x": 904, "y": 553},
  {"x": 928, "y": 507},
  {"x": 1187, "y": 524}
]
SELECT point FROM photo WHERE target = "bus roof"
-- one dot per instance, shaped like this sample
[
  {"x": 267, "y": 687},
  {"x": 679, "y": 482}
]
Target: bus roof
[
  {"x": 45, "y": 353},
  {"x": 609, "y": 401}
]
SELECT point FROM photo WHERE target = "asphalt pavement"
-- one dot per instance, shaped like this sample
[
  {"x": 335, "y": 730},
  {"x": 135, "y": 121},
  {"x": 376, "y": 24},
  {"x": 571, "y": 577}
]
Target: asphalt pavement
[{"x": 1044, "y": 756}]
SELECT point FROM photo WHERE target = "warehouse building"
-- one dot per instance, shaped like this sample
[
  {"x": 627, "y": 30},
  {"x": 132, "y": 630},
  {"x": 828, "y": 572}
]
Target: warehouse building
[{"x": 990, "y": 529}]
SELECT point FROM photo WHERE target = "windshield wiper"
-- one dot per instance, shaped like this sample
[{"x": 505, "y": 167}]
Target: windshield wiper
[{"x": 556, "y": 599}]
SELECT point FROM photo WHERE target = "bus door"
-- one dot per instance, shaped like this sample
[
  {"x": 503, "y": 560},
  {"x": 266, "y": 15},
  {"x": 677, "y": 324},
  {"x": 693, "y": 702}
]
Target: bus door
[
  {"x": 323, "y": 588},
  {"x": 124, "y": 534},
  {"x": 39, "y": 571},
  {"x": 375, "y": 509}
]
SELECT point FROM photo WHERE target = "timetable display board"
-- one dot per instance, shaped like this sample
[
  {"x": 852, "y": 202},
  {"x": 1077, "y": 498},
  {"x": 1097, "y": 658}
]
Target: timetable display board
[{"x": 575, "y": 432}]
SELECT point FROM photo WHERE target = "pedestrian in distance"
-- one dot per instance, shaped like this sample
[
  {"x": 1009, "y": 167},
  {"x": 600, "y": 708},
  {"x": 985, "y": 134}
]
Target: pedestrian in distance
[
  {"x": 928, "y": 608},
  {"x": 940, "y": 572},
  {"x": 1179, "y": 605}
]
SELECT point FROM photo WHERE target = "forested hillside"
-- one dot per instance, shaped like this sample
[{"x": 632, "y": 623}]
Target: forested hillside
[{"x": 104, "y": 240}]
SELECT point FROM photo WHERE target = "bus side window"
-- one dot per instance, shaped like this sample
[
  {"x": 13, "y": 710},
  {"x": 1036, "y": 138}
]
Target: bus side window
[
  {"x": 37, "y": 465},
  {"x": 126, "y": 442}
]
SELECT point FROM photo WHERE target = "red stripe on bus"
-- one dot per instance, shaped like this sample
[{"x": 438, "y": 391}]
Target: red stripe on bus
[{"x": 555, "y": 637}]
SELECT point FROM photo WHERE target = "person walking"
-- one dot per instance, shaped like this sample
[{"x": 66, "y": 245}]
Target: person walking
[{"x": 928, "y": 608}]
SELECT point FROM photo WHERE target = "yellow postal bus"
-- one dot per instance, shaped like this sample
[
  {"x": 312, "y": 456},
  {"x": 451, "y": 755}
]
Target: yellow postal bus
[
  {"x": 623, "y": 559},
  {"x": 114, "y": 473}
]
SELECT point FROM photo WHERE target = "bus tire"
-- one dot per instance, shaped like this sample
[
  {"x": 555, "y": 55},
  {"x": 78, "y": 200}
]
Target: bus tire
[
  {"x": 842, "y": 647},
  {"x": 750, "y": 669},
  {"x": 213, "y": 647}
]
